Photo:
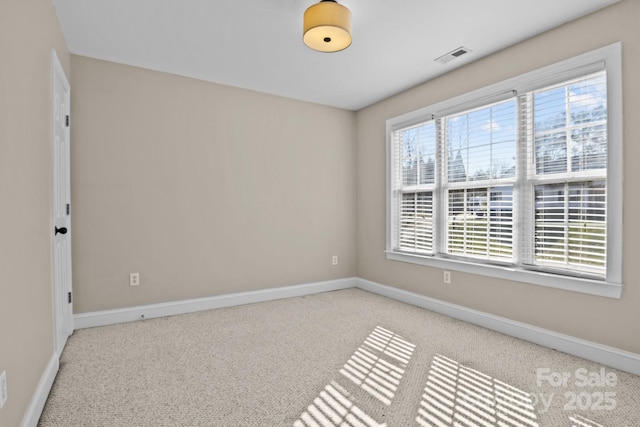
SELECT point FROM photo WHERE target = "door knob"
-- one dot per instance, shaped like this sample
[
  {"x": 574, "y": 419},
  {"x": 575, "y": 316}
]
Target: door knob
[{"x": 61, "y": 230}]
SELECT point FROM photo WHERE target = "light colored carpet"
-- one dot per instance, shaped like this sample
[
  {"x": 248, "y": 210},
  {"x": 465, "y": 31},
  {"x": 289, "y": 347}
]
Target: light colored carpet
[{"x": 344, "y": 358}]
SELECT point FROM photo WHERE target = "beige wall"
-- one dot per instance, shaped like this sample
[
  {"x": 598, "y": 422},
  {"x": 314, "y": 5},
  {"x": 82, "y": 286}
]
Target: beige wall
[
  {"x": 28, "y": 32},
  {"x": 206, "y": 190},
  {"x": 607, "y": 321},
  {"x": 203, "y": 189}
]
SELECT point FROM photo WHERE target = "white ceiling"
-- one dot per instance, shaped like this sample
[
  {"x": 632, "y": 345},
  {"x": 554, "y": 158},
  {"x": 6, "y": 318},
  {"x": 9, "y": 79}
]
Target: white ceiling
[{"x": 257, "y": 44}]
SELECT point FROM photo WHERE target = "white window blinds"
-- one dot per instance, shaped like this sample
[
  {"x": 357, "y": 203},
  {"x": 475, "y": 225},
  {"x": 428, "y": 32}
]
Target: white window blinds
[
  {"x": 480, "y": 148},
  {"x": 516, "y": 179},
  {"x": 415, "y": 184},
  {"x": 461, "y": 182},
  {"x": 567, "y": 174}
]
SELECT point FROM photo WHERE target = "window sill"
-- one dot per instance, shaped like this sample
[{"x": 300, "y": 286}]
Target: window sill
[{"x": 575, "y": 284}]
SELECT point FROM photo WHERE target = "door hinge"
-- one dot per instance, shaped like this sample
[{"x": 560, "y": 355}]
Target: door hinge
[
  {"x": 67, "y": 120},
  {"x": 68, "y": 208},
  {"x": 69, "y": 297}
]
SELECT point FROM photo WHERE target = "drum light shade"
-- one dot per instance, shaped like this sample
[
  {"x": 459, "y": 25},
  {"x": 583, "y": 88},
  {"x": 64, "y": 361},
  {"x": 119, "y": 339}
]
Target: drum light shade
[{"x": 327, "y": 26}]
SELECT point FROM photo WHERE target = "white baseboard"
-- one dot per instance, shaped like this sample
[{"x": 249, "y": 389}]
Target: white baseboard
[
  {"x": 129, "y": 314},
  {"x": 609, "y": 356},
  {"x": 41, "y": 394}
]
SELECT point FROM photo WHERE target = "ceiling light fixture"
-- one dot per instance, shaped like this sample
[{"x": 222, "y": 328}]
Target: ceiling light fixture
[{"x": 327, "y": 26}]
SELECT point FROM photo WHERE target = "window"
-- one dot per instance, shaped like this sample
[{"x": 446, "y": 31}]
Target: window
[
  {"x": 569, "y": 174},
  {"x": 520, "y": 180},
  {"x": 480, "y": 156}
]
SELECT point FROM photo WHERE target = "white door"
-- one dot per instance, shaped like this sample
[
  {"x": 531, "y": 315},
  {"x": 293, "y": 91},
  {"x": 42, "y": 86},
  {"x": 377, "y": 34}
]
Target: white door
[{"x": 61, "y": 162}]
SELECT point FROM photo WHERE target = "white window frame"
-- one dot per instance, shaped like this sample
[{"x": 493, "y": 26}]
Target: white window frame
[{"x": 607, "y": 58}]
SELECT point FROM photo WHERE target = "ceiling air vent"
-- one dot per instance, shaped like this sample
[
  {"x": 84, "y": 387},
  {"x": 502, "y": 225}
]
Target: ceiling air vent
[{"x": 454, "y": 54}]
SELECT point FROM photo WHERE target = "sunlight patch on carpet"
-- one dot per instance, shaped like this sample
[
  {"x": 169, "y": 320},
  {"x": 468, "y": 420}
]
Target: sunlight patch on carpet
[
  {"x": 371, "y": 369},
  {"x": 580, "y": 421},
  {"x": 377, "y": 367},
  {"x": 456, "y": 395},
  {"x": 333, "y": 408}
]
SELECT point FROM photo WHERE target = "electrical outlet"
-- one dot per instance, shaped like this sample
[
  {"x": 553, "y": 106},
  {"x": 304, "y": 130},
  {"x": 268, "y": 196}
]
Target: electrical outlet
[
  {"x": 447, "y": 277},
  {"x": 3, "y": 388},
  {"x": 134, "y": 279},
  {"x": 334, "y": 260}
]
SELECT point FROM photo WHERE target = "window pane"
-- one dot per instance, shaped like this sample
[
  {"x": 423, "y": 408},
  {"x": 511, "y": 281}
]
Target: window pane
[
  {"x": 588, "y": 100},
  {"x": 479, "y": 223},
  {"x": 551, "y": 153},
  {"x": 550, "y": 110},
  {"x": 589, "y": 148},
  {"x": 416, "y": 222},
  {"x": 570, "y": 228},
  {"x": 504, "y": 162},
  {"x": 550, "y": 225},
  {"x": 570, "y": 120},
  {"x": 418, "y": 154},
  {"x": 501, "y": 220},
  {"x": 481, "y": 144},
  {"x": 587, "y": 224}
]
